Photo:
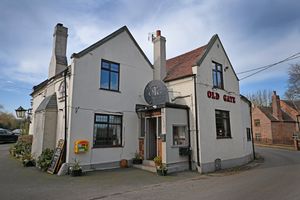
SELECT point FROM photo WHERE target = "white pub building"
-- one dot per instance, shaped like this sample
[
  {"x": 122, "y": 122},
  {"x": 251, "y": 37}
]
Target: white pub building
[{"x": 115, "y": 102}]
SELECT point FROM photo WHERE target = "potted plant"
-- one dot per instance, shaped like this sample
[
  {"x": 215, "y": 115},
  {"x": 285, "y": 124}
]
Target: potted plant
[
  {"x": 75, "y": 169},
  {"x": 138, "y": 159},
  {"x": 161, "y": 169},
  {"x": 27, "y": 160}
]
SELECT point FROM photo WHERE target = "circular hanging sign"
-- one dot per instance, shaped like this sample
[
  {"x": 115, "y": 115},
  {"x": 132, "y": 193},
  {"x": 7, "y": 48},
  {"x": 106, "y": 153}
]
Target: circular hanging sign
[{"x": 156, "y": 93}]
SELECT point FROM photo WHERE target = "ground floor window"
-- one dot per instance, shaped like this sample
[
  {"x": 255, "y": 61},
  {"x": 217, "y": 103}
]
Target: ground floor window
[
  {"x": 248, "y": 130},
  {"x": 257, "y": 136},
  {"x": 179, "y": 135},
  {"x": 107, "y": 130},
  {"x": 223, "y": 124}
]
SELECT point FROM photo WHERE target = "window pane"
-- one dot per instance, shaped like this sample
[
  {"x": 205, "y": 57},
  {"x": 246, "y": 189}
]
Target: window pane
[
  {"x": 222, "y": 124},
  {"x": 219, "y": 80},
  {"x": 219, "y": 67},
  {"x": 114, "y": 67},
  {"x": 104, "y": 79},
  {"x": 215, "y": 82},
  {"x": 115, "y": 119},
  {"x": 105, "y": 65},
  {"x": 114, "y": 81},
  {"x": 101, "y": 118},
  {"x": 114, "y": 135},
  {"x": 100, "y": 135},
  {"x": 179, "y": 135}
]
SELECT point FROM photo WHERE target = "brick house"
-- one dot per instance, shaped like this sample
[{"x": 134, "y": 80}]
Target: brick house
[{"x": 275, "y": 124}]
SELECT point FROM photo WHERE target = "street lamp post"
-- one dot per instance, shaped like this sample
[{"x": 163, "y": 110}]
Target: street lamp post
[{"x": 21, "y": 113}]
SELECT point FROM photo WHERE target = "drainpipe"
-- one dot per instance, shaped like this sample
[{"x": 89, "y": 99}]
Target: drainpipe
[
  {"x": 66, "y": 128},
  {"x": 189, "y": 136},
  {"x": 196, "y": 121},
  {"x": 253, "y": 150}
]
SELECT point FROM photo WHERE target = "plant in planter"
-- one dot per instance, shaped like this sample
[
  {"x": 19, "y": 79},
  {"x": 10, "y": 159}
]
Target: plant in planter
[
  {"x": 75, "y": 169},
  {"x": 44, "y": 160},
  {"x": 27, "y": 160},
  {"x": 138, "y": 159},
  {"x": 161, "y": 169}
]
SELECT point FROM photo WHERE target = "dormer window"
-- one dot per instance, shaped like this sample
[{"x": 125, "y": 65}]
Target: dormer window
[{"x": 217, "y": 75}]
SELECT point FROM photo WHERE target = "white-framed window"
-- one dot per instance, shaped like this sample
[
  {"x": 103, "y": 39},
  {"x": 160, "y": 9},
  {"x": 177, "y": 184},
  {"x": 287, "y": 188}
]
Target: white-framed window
[{"x": 179, "y": 135}]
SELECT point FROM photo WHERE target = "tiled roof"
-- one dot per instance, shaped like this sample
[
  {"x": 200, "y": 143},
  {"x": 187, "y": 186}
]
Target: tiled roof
[
  {"x": 293, "y": 104},
  {"x": 181, "y": 66},
  {"x": 269, "y": 113}
]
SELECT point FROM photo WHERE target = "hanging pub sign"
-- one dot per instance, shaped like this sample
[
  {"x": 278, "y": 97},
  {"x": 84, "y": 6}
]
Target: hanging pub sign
[
  {"x": 156, "y": 93},
  {"x": 216, "y": 96}
]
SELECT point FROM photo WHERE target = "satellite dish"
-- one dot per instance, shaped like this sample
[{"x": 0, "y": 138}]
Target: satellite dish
[{"x": 156, "y": 93}]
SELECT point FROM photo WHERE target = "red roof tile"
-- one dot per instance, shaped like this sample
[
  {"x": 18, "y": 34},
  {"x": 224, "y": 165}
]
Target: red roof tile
[{"x": 181, "y": 66}]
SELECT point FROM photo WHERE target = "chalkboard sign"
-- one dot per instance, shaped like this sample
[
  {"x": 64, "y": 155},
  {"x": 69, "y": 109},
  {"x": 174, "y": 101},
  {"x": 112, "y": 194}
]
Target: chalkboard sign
[{"x": 57, "y": 157}]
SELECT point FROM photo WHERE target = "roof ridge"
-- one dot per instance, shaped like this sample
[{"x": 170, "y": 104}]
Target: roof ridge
[{"x": 184, "y": 54}]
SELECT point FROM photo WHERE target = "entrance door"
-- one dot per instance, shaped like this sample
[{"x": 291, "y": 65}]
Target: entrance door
[{"x": 151, "y": 138}]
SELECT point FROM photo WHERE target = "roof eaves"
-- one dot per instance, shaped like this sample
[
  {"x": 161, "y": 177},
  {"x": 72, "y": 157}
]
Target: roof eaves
[
  {"x": 107, "y": 38},
  {"x": 209, "y": 46}
]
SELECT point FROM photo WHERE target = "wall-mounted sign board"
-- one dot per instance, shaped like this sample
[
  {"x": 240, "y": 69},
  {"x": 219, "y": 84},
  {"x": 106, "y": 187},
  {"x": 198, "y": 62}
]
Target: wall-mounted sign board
[{"x": 57, "y": 157}]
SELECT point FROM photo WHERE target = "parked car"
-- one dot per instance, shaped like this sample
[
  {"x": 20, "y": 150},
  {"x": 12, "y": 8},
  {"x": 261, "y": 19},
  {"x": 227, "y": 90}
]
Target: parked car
[
  {"x": 17, "y": 131},
  {"x": 7, "y": 136}
]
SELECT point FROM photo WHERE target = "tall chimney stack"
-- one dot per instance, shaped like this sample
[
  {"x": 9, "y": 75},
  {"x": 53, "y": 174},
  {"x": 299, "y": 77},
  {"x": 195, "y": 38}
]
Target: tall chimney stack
[
  {"x": 277, "y": 113},
  {"x": 58, "y": 61},
  {"x": 159, "y": 45}
]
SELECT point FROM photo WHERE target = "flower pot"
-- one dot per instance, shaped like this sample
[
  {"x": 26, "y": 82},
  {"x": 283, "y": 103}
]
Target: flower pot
[
  {"x": 137, "y": 161},
  {"x": 76, "y": 172},
  {"x": 28, "y": 163},
  {"x": 162, "y": 172}
]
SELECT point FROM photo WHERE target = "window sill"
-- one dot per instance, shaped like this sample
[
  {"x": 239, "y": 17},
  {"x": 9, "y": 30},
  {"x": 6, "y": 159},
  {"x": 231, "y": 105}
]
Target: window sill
[
  {"x": 105, "y": 147},
  {"x": 116, "y": 91},
  {"x": 217, "y": 88},
  {"x": 224, "y": 137}
]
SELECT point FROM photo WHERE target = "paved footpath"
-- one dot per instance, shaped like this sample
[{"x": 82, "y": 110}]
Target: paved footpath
[{"x": 277, "y": 178}]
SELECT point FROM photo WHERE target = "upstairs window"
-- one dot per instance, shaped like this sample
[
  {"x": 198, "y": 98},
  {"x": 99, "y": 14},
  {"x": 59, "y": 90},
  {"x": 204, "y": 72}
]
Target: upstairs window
[
  {"x": 223, "y": 124},
  {"x": 257, "y": 122},
  {"x": 110, "y": 75},
  {"x": 217, "y": 75}
]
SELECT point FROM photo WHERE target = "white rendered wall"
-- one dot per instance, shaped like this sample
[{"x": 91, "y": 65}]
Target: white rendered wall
[
  {"x": 174, "y": 117},
  {"x": 246, "y": 120},
  {"x": 212, "y": 148},
  {"x": 135, "y": 73}
]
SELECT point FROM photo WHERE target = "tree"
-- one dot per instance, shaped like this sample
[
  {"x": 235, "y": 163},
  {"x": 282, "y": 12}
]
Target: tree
[
  {"x": 293, "y": 89},
  {"x": 8, "y": 120},
  {"x": 261, "y": 97}
]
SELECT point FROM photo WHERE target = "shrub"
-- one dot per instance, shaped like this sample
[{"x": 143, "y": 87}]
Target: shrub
[
  {"x": 20, "y": 148},
  {"x": 44, "y": 160}
]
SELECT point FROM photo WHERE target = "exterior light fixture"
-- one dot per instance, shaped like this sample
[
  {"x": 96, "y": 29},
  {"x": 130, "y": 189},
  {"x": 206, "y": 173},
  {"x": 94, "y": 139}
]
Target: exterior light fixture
[{"x": 20, "y": 112}]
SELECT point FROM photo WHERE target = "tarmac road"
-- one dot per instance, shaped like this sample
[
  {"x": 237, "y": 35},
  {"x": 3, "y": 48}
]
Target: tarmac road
[{"x": 277, "y": 178}]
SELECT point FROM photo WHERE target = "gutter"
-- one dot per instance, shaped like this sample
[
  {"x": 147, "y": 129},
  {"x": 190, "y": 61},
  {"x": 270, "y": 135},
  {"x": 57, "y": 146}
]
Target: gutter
[
  {"x": 66, "y": 128},
  {"x": 253, "y": 150},
  {"x": 189, "y": 137},
  {"x": 196, "y": 122}
]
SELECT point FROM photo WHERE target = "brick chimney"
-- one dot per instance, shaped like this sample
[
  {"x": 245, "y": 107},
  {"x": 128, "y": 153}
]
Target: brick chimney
[
  {"x": 58, "y": 61},
  {"x": 159, "y": 51},
  {"x": 277, "y": 113}
]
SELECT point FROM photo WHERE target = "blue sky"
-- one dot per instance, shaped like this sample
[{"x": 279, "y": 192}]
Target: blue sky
[{"x": 254, "y": 33}]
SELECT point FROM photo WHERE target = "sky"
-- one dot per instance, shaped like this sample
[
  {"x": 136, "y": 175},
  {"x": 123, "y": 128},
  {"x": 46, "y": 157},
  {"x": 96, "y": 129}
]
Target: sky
[{"x": 254, "y": 34}]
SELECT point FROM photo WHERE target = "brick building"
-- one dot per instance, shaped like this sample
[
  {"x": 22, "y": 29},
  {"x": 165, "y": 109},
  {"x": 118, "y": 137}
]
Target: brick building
[{"x": 276, "y": 124}]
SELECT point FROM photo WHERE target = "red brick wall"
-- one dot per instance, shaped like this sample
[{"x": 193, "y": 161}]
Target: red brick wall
[
  {"x": 282, "y": 132},
  {"x": 141, "y": 147},
  {"x": 265, "y": 126}
]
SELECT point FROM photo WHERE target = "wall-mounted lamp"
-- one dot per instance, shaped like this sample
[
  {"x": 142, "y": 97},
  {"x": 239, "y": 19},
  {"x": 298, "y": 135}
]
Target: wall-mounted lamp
[{"x": 226, "y": 68}]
